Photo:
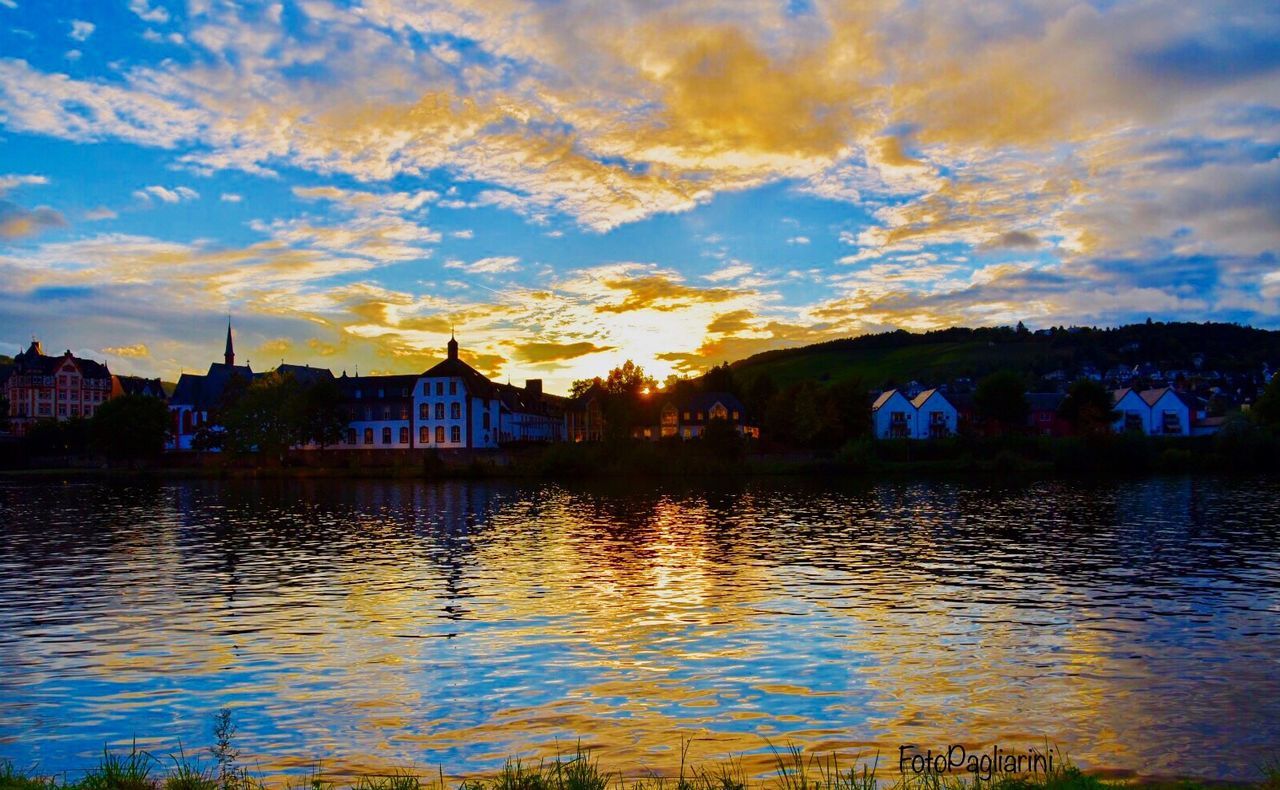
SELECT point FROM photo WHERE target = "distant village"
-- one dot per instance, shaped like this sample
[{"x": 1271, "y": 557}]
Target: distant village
[{"x": 452, "y": 406}]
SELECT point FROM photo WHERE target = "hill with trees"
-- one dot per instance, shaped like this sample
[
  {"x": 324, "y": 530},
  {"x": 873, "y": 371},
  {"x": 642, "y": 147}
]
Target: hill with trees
[{"x": 894, "y": 358}]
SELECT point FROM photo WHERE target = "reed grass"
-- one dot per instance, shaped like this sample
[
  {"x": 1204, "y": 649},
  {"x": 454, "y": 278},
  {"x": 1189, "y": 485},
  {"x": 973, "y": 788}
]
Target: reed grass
[{"x": 793, "y": 770}]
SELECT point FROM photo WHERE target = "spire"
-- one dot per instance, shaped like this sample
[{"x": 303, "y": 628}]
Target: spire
[
  {"x": 453, "y": 346},
  {"x": 230, "y": 354}
]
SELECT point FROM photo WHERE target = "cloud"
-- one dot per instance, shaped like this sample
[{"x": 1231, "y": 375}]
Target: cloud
[
  {"x": 81, "y": 30},
  {"x": 1013, "y": 239},
  {"x": 12, "y": 181},
  {"x": 539, "y": 353},
  {"x": 99, "y": 213},
  {"x": 494, "y": 265},
  {"x": 135, "y": 351},
  {"x": 230, "y": 197},
  {"x": 165, "y": 195},
  {"x": 147, "y": 13},
  {"x": 798, "y": 240},
  {"x": 17, "y": 222},
  {"x": 463, "y": 234},
  {"x": 660, "y": 291}
]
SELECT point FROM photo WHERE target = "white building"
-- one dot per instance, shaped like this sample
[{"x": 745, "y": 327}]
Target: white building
[
  {"x": 1155, "y": 412},
  {"x": 927, "y": 416},
  {"x": 936, "y": 418},
  {"x": 893, "y": 416}
]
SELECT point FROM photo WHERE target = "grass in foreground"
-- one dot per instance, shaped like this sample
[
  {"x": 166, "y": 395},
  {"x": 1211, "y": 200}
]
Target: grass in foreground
[{"x": 793, "y": 770}]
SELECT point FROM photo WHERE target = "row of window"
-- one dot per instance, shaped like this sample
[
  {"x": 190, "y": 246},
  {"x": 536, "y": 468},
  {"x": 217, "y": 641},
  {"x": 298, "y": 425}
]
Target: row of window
[
  {"x": 424, "y": 435},
  {"x": 426, "y": 390},
  {"x": 455, "y": 411}
]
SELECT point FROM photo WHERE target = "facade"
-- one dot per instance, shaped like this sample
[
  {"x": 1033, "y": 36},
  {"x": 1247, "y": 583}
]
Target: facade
[
  {"x": 1042, "y": 418},
  {"x": 893, "y": 416},
  {"x": 688, "y": 418},
  {"x": 1160, "y": 412},
  {"x": 929, "y": 415},
  {"x": 529, "y": 415},
  {"x": 379, "y": 412},
  {"x": 584, "y": 416},
  {"x": 936, "y": 417},
  {"x": 457, "y": 407},
  {"x": 61, "y": 388}
]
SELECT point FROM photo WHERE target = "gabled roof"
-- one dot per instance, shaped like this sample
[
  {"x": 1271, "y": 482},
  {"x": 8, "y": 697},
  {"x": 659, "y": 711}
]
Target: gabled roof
[
  {"x": 1118, "y": 395},
  {"x": 475, "y": 381},
  {"x": 521, "y": 399},
  {"x": 205, "y": 392},
  {"x": 34, "y": 360},
  {"x": 703, "y": 401},
  {"x": 304, "y": 373},
  {"x": 884, "y": 398},
  {"x": 392, "y": 387},
  {"x": 137, "y": 385},
  {"x": 1152, "y": 397},
  {"x": 923, "y": 397}
]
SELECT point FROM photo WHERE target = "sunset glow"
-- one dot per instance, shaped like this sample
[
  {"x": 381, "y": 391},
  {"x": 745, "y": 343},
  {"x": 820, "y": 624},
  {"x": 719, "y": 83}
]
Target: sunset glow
[{"x": 569, "y": 185}]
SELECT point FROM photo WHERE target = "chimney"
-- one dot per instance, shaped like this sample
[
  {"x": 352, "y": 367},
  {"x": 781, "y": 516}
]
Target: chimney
[{"x": 533, "y": 387}]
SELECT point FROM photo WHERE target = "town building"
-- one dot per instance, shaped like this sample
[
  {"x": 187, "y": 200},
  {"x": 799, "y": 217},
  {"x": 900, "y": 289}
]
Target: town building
[
  {"x": 196, "y": 398},
  {"x": 137, "y": 385},
  {"x": 928, "y": 415},
  {"x": 688, "y": 417},
  {"x": 379, "y": 412},
  {"x": 40, "y": 387},
  {"x": 1164, "y": 411}
]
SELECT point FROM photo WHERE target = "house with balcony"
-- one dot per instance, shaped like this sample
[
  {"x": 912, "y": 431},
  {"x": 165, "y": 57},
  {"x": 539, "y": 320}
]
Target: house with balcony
[{"x": 893, "y": 416}]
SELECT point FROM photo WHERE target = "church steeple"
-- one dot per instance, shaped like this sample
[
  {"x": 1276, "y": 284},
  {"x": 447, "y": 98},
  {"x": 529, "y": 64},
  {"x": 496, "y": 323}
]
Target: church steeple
[
  {"x": 453, "y": 346},
  {"x": 229, "y": 356}
]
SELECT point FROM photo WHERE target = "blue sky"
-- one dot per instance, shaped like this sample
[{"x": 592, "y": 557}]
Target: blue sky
[{"x": 570, "y": 184}]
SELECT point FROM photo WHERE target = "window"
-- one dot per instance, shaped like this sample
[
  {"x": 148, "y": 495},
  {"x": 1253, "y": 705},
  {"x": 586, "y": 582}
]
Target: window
[
  {"x": 1132, "y": 421},
  {"x": 719, "y": 412},
  {"x": 404, "y": 436},
  {"x": 439, "y": 411},
  {"x": 351, "y": 436},
  {"x": 453, "y": 387},
  {"x": 357, "y": 394},
  {"x": 439, "y": 434},
  {"x": 386, "y": 412},
  {"x": 455, "y": 411},
  {"x": 88, "y": 411},
  {"x": 736, "y": 415},
  {"x": 404, "y": 411},
  {"x": 44, "y": 409},
  {"x": 687, "y": 433},
  {"x": 426, "y": 388},
  {"x": 381, "y": 393},
  {"x": 75, "y": 412},
  {"x": 700, "y": 417},
  {"x": 368, "y": 412},
  {"x": 368, "y": 436},
  {"x": 386, "y": 436},
  {"x": 424, "y": 435},
  {"x": 687, "y": 416},
  {"x": 486, "y": 420},
  {"x": 424, "y": 411},
  {"x": 455, "y": 434},
  {"x": 62, "y": 410},
  {"x": 439, "y": 387}
]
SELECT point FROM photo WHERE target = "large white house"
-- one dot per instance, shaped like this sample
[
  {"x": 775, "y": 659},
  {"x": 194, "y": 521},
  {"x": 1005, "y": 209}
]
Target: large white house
[
  {"x": 1155, "y": 412},
  {"x": 928, "y": 415}
]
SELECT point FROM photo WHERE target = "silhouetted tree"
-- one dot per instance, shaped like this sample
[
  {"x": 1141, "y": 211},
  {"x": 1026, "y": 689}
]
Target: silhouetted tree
[
  {"x": 1087, "y": 408},
  {"x": 1002, "y": 399},
  {"x": 267, "y": 418},
  {"x": 130, "y": 427},
  {"x": 4, "y": 413},
  {"x": 719, "y": 379},
  {"x": 1266, "y": 410},
  {"x": 323, "y": 418}
]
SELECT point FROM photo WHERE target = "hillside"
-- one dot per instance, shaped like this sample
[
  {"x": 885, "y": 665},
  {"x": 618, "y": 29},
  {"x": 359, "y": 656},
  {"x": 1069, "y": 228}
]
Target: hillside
[{"x": 935, "y": 357}]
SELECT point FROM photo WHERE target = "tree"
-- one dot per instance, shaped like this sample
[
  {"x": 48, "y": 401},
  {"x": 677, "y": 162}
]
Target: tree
[
  {"x": 267, "y": 418},
  {"x": 323, "y": 418},
  {"x": 130, "y": 427},
  {"x": 4, "y": 413},
  {"x": 719, "y": 379},
  {"x": 1266, "y": 410},
  {"x": 1087, "y": 408},
  {"x": 1002, "y": 399},
  {"x": 580, "y": 387},
  {"x": 629, "y": 379}
]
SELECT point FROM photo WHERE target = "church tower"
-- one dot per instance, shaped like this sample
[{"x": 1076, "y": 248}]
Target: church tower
[
  {"x": 229, "y": 356},
  {"x": 453, "y": 347}
]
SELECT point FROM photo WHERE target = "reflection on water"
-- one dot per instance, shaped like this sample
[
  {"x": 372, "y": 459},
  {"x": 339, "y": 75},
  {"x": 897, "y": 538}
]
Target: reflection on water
[{"x": 374, "y": 625}]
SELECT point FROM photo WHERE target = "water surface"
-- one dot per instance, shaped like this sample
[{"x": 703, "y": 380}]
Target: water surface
[{"x": 374, "y": 625}]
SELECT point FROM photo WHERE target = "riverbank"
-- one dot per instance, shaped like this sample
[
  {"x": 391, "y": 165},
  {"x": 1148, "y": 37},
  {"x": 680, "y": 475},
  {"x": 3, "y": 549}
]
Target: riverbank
[
  {"x": 1107, "y": 456},
  {"x": 791, "y": 770}
]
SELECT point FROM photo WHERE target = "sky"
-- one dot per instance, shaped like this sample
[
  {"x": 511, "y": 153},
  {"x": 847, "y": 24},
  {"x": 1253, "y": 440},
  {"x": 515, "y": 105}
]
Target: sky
[{"x": 567, "y": 184}]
